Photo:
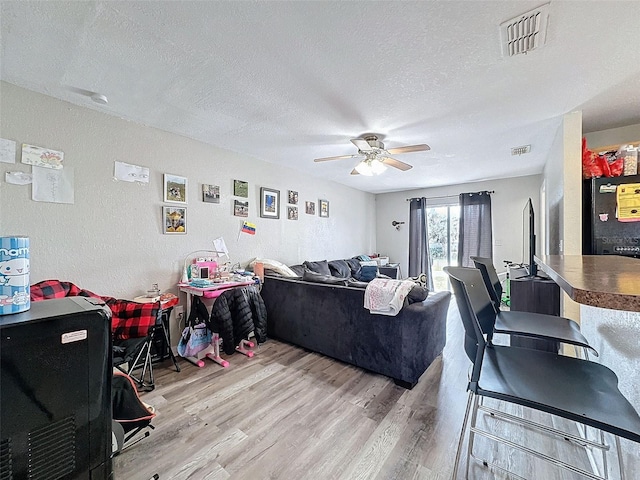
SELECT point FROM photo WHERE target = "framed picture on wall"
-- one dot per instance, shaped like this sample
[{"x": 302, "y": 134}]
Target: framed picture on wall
[
  {"x": 240, "y": 188},
  {"x": 240, "y": 209},
  {"x": 210, "y": 193},
  {"x": 323, "y": 208},
  {"x": 310, "y": 208},
  {"x": 175, "y": 220},
  {"x": 269, "y": 203},
  {"x": 175, "y": 188},
  {"x": 292, "y": 213},
  {"x": 293, "y": 197}
]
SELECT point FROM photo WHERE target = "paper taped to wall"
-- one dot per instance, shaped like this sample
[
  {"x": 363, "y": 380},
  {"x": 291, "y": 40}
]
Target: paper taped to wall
[
  {"x": 18, "y": 178},
  {"x": 51, "y": 185},
  {"x": 130, "y": 173},
  {"x": 7, "y": 151},
  {"x": 220, "y": 247}
]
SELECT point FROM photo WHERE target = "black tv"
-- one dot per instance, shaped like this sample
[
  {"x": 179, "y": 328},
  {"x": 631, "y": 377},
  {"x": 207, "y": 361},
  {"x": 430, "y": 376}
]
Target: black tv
[{"x": 529, "y": 239}]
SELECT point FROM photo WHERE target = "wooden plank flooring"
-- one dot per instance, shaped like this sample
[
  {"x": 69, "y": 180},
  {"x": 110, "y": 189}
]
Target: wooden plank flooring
[{"x": 289, "y": 413}]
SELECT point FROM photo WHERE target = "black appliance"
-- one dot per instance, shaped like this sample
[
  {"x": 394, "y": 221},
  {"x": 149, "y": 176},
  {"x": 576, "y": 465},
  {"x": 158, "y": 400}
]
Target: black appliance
[
  {"x": 603, "y": 234},
  {"x": 55, "y": 395}
]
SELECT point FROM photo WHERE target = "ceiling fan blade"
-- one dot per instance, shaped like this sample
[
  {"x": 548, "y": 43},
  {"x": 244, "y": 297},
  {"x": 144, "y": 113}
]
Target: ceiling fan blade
[
  {"x": 408, "y": 149},
  {"x": 326, "y": 159},
  {"x": 354, "y": 172},
  {"x": 362, "y": 144},
  {"x": 392, "y": 162}
]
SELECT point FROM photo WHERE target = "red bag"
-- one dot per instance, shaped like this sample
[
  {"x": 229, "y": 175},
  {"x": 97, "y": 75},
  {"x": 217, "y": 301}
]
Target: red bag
[
  {"x": 593, "y": 165},
  {"x": 617, "y": 167}
]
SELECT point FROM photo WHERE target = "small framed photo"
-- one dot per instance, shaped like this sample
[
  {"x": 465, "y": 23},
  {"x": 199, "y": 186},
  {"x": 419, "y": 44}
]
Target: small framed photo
[
  {"x": 240, "y": 209},
  {"x": 175, "y": 220},
  {"x": 292, "y": 213},
  {"x": 240, "y": 188},
  {"x": 323, "y": 208},
  {"x": 293, "y": 197},
  {"x": 310, "y": 208},
  {"x": 269, "y": 203},
  {"x": 210, "y": 193},
  {"x": 175, "y": 189}
]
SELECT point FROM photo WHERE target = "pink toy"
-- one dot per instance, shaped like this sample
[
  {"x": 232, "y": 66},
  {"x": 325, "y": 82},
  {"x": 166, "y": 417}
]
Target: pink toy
[
  {"x": 243, "y": 348},
  {"x": 215, "y": 355},
  {"x": 197, "y": 362}
]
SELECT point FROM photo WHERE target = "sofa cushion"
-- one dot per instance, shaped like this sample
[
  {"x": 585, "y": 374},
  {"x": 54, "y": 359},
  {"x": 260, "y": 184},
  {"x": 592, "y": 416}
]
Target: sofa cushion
[
  {"x": 321, "y": 266},
  {"x": 310, "y": 276},
  {"x": 298, "y": 269},
  {"x": 354, "y": 265},
  {"x": 352, "y": 282},
  {"x": 340, "y": 268}
]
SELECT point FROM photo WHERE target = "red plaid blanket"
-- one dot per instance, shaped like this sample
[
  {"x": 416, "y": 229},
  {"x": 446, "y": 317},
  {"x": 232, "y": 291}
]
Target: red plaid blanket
[{"x": 129, "y": 319}]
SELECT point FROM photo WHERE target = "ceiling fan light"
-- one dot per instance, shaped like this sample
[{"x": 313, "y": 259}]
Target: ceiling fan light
[
  {"x": 377, "y": 167},
  {"x": 364, "y": 168}
]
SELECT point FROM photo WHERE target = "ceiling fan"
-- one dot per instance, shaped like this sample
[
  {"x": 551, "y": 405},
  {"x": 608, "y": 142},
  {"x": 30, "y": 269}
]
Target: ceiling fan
[{"x": 377, "y": 158}]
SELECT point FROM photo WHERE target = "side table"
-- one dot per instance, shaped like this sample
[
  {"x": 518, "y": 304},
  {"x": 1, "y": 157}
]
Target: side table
[{"x": 390, "y": 270}]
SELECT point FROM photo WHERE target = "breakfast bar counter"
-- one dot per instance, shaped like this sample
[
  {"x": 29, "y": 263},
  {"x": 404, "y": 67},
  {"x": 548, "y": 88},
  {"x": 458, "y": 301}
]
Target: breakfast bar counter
[
  {"x": 607, "y": 287},
  {"x": 605, "y": 281}
]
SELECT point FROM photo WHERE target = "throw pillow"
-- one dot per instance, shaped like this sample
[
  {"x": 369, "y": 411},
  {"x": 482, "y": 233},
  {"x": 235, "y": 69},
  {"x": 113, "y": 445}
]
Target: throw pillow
[
  {"x": 319, "y": 267},
  {"x": 417, "y": 294},
  {"x": 420, "y": 279},
  {"x": 315, "y": 277},
  {"x": 366, "y": 273},
  {"x": 339, "y": 268}
]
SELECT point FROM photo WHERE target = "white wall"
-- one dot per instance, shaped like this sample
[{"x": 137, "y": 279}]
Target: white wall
[
  {"x": 613, "y": 136},
  {"x": 507, "y": 203},
  {"x": 110, "y": 240},
  {"x": 563, "y": 182}
]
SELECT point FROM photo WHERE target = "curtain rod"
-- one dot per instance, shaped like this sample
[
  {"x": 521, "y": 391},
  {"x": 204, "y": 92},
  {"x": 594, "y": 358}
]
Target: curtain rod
[{"x": 449, "y": 196}]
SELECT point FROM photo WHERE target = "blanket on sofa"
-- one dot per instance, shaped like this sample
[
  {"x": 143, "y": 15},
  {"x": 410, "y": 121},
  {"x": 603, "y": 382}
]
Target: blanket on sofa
[
  {"x": 385, "y": 296},
  {"x": 129, "y": 319}
]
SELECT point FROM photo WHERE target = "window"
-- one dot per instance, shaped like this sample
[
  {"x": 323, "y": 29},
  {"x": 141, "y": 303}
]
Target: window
[{"x": 443, "y": 241}]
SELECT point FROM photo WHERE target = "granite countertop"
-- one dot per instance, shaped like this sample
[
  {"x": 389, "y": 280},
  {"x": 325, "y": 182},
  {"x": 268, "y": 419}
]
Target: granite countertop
[{"x": 606, "y": 281}]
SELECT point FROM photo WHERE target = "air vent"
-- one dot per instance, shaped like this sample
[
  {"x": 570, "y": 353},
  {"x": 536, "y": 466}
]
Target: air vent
[
  {"x": 6, "y": 461},
  {"x": 521, "y": 150},
  {"x": 52, "y": 450},
  {"x": 526, "y": 32}
]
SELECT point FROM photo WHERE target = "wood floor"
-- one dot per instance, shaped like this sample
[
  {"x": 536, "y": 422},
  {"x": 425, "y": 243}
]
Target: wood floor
[{"x": 289, "y": 413}]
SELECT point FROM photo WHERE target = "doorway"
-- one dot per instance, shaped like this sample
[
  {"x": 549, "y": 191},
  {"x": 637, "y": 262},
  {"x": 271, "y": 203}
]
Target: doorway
[{"x": 443, "y": 222}]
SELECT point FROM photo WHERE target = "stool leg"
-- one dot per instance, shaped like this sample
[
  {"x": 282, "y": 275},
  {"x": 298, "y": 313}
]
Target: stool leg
[
  {"x": 461, "y": 439},
  {"x": 173, "y": 357},
  {"x": 620, "y": 461}
]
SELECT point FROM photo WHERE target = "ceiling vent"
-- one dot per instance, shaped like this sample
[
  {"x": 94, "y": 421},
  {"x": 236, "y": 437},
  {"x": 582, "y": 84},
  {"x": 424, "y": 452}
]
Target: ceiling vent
[
  {"x": 521, "y": 150},
  {"x": 525, "y": 32}
]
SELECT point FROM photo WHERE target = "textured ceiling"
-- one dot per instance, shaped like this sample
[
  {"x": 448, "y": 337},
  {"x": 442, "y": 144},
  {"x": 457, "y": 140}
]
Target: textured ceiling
[{"x": 287, "y": 82}]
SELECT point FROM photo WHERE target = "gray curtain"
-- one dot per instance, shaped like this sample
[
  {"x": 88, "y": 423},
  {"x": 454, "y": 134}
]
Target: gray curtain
[
  {"x": 419, "y": 256},
  {"x": 475, "y": 227}
]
